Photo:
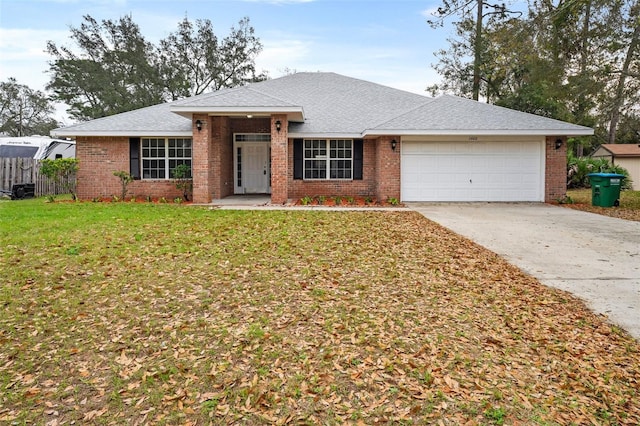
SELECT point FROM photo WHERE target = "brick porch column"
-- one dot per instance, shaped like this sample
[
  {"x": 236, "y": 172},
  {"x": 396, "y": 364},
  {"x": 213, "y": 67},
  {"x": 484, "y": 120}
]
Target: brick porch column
[
  {"x": 555, "y": 169},
  {"x": 201, "y": 158},
  {"x": 387, "y": 168},
  {"x": 219, "y": 144},
  {"x": 279, "y": 160}
]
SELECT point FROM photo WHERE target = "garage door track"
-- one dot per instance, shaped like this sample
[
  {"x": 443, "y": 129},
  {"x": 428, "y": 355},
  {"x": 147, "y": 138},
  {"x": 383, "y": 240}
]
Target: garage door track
[{"x": 597, "y": 258}]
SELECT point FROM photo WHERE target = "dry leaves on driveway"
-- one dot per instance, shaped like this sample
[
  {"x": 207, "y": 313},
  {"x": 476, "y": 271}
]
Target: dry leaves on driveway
[
  {"x": 619, "y": 212},
  {"x": 629, "y": 204},
  {"x": 200, "y": 317}
]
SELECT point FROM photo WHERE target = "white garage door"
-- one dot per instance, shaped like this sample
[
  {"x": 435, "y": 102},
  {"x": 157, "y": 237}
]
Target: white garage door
[{"x": 472, "y": 171}]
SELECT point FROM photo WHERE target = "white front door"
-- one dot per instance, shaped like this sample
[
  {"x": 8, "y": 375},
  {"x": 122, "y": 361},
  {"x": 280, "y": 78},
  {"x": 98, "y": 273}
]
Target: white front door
[{"x": 252, "y": 168}]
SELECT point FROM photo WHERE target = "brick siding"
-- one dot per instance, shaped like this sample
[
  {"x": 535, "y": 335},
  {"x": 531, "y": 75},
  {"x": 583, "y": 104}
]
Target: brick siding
[
  {"x": 555, "y": 169},
  {"x": 366, "y": 187},
  {"x": 280, "y": 163},
  {"x": 201, "y": 160},
  {"x": 388, "y": 168},
  {"x": 220, "y": 183},
  {"x": 99, "y": 157}
]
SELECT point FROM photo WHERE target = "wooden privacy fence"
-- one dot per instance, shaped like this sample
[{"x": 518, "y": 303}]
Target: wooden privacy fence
[{"x": 27, "y": 170}]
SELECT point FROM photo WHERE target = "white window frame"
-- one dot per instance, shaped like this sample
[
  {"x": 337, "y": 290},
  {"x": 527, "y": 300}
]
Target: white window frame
[
  {"x": 166, "y": 158},
  {"x": 326, "y": 157}
]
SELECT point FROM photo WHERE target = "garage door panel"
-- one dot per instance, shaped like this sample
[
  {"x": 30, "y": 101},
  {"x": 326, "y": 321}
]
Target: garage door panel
[{"x": 472, "y": 171}]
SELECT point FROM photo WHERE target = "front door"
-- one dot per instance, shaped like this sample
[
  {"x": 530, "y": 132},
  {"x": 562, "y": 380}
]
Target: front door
[{"x": 252, "y": 168}]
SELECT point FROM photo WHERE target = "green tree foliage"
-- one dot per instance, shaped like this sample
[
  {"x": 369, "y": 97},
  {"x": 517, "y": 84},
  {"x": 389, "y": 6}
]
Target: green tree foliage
[
  {"x": 125, "y": 180},
  {"x": 114, "y": 72},
  {"x": 193, "y": 60},
  {"x": 475, "y": 15},
  {"x": 573, "y": 60},
  {"x": 112, "y": 68},
  {"x": 626, "y": 70},
  {"x": 181, "y": 175},
  {"x": 24, "y": 111},
  {"x": 61, "y": 170},
  {"x": 628, "y": 130}
]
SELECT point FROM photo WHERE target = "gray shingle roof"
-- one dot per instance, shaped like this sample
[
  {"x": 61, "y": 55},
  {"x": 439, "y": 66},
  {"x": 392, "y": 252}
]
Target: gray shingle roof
[
  {"x": 331, "y": 104},
  {"x": 337, "y": 104},
  {"x": 245, "y": 96},
  {"x": 454, "y": 115},
  {"x": 157, "y": 120}
]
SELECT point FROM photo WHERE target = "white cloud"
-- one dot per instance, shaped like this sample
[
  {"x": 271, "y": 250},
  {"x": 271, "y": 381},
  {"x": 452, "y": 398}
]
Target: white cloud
[
  {"x": 92, "y": 2},
  {"x": 24, "y": 57},
  {"x": 17, "y": 40},
  {"x": 381, "y": 64},
  {"x": 430, "y": 13},
  {"x": 280, "y": 1},
  {"x": 279, "y": 54}
]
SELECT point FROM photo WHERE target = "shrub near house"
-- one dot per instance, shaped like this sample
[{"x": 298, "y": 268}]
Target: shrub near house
[{"x": 578, "y": 170}]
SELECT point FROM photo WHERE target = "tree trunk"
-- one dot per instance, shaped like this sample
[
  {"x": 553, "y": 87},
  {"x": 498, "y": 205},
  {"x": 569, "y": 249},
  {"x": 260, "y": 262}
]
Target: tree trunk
[
  {"x": 477, "y": 50},
  {"x": 618, "y": 101},
  {"x": 583, "y": 70}
]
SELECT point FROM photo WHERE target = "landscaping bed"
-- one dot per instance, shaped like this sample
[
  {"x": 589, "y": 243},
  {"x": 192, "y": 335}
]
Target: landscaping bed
[
  {"x": 629, "y": 208},
  {"x": 339, "y": 201},
  {"x": 143, "y": 313}
]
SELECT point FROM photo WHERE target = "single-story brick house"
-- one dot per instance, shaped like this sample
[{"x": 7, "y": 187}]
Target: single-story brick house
[
  {"x": 327, "y": 134},
  {"x": 623, "y": 155}
]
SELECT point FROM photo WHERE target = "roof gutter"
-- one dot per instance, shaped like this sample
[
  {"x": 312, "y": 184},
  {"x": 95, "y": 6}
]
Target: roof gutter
[
  {"x": 478, "y": 132},
  {"x": 126, "y": 133}
]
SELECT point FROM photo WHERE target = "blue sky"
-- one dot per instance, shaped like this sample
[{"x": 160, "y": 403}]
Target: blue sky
[{"x": 387, "y": 42}]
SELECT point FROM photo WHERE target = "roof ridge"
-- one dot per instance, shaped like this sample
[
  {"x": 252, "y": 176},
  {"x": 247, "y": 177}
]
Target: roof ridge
[
  {"x": 271, "y": 96},
  {"x": 212, "y": 94},
  {"x": 428, "y": 100}
]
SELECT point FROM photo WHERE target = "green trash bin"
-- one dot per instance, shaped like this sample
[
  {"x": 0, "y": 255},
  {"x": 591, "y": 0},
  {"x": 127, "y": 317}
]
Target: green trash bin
[{"x": 605, "y": 189}]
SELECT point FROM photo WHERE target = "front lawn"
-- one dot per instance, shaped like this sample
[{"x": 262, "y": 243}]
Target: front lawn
[
  {"x": 629, "y": 208},
  {"x": 115, "y": 313}
]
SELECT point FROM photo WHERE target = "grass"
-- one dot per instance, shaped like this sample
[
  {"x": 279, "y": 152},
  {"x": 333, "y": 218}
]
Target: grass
[
  {"x": 629, "y": 208},
  {"x": 170, "y": 314}
]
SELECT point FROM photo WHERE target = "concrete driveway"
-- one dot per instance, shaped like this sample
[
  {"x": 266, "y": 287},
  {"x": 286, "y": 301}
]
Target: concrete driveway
[{"x": 597, "y": 258}]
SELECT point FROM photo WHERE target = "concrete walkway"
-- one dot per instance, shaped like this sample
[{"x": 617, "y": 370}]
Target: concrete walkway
[
  {"x": 595, "y": 257},
  {"x": 263, "y": 202}
]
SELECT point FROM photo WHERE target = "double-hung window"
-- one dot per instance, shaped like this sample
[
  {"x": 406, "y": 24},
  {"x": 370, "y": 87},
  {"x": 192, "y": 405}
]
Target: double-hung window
[
  {"x": 161, "y": 155},
  {"x": 328, "y": 159}
]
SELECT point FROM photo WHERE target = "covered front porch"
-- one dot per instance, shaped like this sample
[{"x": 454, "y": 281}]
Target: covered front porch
[{"x": 239, "y": 155}]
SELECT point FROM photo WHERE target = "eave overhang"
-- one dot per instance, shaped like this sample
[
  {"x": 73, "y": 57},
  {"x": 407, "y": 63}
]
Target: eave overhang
[
  {"x": 294, "y": 114},
  {"x": 118, "y": 133},
  {"x": 478, "y": 132}
]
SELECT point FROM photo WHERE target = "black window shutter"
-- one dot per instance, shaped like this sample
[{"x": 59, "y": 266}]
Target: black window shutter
[
  {"x": 134, "y": 157},
  {"x": 297, "y": 158},
  {"x": 357, "y": 159}
]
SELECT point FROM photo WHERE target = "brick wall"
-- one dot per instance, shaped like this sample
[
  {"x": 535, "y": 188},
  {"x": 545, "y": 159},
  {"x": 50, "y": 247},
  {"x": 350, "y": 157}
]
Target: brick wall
[
  {"x": 366, "y": 187},
  {"x": 555, "y": 169},
  {"x": 221, "y": 158},
  {"x": 387, "y": 168},
  {"x": 99, "y": 157},
  {"x": 279, "y": 160},
  {"x": 201, "y": 161}
]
